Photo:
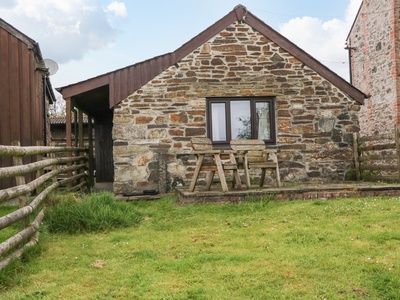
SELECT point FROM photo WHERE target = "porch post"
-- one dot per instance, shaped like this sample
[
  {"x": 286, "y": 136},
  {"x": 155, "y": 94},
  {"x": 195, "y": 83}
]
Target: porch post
[
  {"x": 68, "y": 121},
  {"x": 91, "y": 155},
  {"x": 80, "y": 129}
]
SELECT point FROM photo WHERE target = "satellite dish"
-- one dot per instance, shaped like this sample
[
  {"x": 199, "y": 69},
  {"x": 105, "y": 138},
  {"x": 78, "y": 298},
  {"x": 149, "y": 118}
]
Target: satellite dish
[{"x": 51, "y": 65}]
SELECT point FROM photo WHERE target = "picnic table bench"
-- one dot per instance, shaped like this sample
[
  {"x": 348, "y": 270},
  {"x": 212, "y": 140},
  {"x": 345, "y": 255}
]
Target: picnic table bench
[
  {"x": 210, "y": 160},
  {"x": 252, "y": 154},
  {"x": 244, "y": 154}
]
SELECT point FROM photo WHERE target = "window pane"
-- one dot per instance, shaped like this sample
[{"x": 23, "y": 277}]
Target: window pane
[
  {"x": 263, "y": 124},
  {"x": 218, "y": 121},
  {"x": 240, "y": 120}
]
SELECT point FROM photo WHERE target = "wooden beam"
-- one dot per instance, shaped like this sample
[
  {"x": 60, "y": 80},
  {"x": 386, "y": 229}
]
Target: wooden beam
[
  {"x": 68, "y": 121},
  {"x": 80, "y": 128},
  {"x": 91, "y": 152}
]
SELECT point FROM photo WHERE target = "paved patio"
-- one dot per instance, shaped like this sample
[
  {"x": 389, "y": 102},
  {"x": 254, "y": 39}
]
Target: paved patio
[{"x": 303, "y": 191}]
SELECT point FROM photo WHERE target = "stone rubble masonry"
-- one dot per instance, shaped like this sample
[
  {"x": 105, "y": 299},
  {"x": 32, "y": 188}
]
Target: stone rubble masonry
[
  {"x": 374, "y": 41},
  {"x": 153, "y": 127}
]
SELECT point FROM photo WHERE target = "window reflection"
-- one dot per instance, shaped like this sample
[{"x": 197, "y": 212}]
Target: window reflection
[{"x": 240, "y": 120}]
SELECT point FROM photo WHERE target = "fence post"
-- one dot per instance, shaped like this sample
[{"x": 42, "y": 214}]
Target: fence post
[
  {"x": 53, "y": 155},
  {"x": 356, "y": 156},
  {"x": 41, "y": 171},
  {"x": 397, "y": 141},
  {"x": 20, "y": 180}
]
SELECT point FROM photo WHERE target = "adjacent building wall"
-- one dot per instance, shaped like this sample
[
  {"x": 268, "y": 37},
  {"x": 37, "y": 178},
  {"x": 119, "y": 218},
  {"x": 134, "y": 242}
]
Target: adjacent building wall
[
  {"x": 153, "y": 126},
  {"x": 374, "y": 45},
  {"x": 23, "y": 103}
]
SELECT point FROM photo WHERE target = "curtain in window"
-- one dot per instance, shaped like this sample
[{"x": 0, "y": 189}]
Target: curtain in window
[
  {"x": 263, "y": 122},
  {"x": 218, "y": 122}
]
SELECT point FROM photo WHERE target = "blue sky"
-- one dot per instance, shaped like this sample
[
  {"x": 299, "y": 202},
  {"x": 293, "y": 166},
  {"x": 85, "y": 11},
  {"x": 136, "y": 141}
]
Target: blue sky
[{"x": 91, "y": 37}]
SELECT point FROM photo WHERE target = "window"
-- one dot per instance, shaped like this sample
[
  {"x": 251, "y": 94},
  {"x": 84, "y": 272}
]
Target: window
[{"x": 241, "y": 118}]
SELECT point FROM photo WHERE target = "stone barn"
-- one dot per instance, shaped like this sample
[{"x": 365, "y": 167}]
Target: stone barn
[{"x": 238, "y": 79}]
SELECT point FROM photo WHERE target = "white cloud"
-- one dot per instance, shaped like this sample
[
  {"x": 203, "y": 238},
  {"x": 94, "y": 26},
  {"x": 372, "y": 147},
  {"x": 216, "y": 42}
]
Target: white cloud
[
  {"x": 118, "y": 8},
  {"x": 324, "y": 40},
  {"x": 352, "y": 10},
  {"x": 65, "y": 29}
]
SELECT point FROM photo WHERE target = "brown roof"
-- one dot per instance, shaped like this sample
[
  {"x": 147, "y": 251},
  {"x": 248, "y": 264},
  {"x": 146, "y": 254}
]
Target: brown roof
[
  {"x": 31, "y": 44},
  {"x": 123, "y": 82}
]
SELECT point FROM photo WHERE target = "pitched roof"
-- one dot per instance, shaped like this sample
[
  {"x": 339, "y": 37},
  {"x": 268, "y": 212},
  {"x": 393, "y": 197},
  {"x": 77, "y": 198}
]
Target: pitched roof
[
  {"x": 34, "y": 46},
  {"x": 22, "y": 37},
  {"x": 123, "y": 82},
  {"x": 355, "y": 19}
]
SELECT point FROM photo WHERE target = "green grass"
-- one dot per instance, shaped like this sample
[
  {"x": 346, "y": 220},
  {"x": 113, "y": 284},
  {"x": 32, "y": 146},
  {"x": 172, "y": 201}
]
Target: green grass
[
  {"x": 336, "y": 249},
  {"x": 10, "y": 230},
  {"x": 95, "y": 212}
]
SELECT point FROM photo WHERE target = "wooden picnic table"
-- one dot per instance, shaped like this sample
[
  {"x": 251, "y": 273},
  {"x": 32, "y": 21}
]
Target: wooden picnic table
[
  {"x": 245, "y": 154},
  {"x": 252, "y": 154},
  {"x": 210, "y": 161}
]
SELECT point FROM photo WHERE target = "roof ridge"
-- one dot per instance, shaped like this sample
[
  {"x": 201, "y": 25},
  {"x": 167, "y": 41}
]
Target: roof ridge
[{"x": 238, "y": 14}]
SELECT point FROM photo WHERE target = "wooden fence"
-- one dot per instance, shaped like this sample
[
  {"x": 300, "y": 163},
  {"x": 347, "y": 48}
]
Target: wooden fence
[
  {"x": 53, "y": 167},
  {"x": 377, "y": 158}
]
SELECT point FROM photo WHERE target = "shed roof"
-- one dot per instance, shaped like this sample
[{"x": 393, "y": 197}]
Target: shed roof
[{"x": 123, "y": 82}]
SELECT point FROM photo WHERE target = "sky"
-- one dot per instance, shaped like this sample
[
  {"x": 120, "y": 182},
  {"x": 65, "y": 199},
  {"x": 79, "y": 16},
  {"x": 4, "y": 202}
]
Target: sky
[{"x": 88, "y": 38}]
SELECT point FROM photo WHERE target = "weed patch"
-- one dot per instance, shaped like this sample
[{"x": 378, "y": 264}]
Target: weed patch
[{"x": 96, "y": 212}]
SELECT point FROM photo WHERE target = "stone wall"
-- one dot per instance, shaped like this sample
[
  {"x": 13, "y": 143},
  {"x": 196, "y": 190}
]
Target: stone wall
[
  {"x": 374, "y": 63},
  {"x": 153, "y": 126}
]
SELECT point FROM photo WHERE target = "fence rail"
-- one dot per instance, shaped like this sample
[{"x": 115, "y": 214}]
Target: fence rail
[
  {"x": 377, "y": 158},
  {"x": 54, "y": 167}
]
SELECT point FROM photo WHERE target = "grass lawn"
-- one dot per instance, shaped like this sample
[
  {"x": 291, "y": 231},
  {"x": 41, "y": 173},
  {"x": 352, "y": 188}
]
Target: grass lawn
[{"x": 334, "y": 249}]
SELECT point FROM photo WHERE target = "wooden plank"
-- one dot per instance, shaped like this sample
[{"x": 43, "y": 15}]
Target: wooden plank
[
  {"x": 380, "y": 178},
  {"x": 378, "y": 157},
  {"x": 85, "y": 86},
  {"x": 91, "y": 153},
  {"x": 80, "y": 130},
  {"x": 373, "y": 138},
  {"x": 5, "y": 135},
  {"x": 356, "y": 156},
  {"x": 262, "y": 165},
  {"x": 204, "y": 151},
  {"x": 20, "y": 180},
  {"x": 378, "y": 168},
  {"x": 247, "y": 145},
  {"x": 68, "y": 120},
  {"x": 14, "y": 69},
  {"x": 221, "y": 173},
  {"x": 123, "y": 84},
  {"x": 378, "y": 147},
  {"x": 201, "y": 144},
  {"x": 37, "y": 105},
  {"x": 196, "y": 172},
  {"x": 25, "y": 108}
]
